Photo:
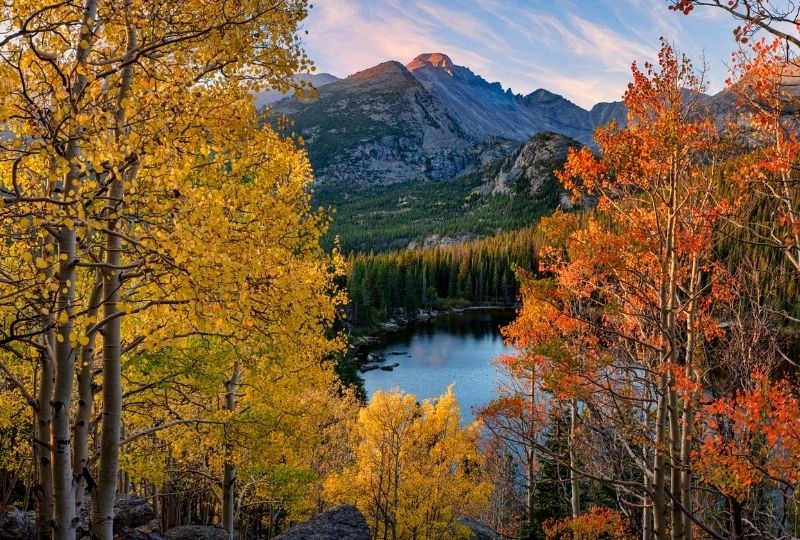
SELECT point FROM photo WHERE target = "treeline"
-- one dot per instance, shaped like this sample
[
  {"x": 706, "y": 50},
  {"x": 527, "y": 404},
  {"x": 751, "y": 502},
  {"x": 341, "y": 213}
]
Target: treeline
[{"x": 482, "y": 271}]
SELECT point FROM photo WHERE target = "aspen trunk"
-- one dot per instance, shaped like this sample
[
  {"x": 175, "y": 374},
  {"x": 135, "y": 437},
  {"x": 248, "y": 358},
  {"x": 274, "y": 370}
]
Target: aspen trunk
[
  {"x": 667, "y": 399},
  {"x": 686, "y": 473},
  {"x": 676, "y": 465},
  {"x": 575, "y": 498},
  {"x": 80, "y": 431},
  {"x": 64, "y": 519},
  {"x": 531, "y": 499},
  {"x": 396, "y": 490},
  {"x": 531, "y": 457},
  {"x": 103, "y": 507},
  {"x": 659, "y": 464},
  {"x": 647, "y": 513},
  {"x": 688, "y": 407},
  {"x": 229, "y": 473},
  {"x": 44, "y": 470}
]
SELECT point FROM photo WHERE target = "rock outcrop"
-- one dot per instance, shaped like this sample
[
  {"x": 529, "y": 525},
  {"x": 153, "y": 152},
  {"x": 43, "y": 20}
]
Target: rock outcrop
[
  {"x": 134, "y": 519},
  {"x": 530, "y": 167},
  {"x": 342, "y": 523}
]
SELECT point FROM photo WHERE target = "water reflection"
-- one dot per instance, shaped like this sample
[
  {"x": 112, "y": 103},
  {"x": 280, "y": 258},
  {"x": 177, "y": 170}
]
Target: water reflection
[{"x": 454, "y": 349}]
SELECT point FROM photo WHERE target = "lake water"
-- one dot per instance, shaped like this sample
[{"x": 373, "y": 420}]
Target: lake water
[{"x": 454, "y": 349}]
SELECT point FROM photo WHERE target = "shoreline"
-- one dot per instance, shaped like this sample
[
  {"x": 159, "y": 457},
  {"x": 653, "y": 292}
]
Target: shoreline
[{"x": 396, "y": 324}]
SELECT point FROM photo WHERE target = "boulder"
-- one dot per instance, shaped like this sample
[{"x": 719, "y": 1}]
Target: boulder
[
  {"x": 362, "y": 341},
  {"x": 132, "y": 511},
  {"x": 196, "y": 532},
  {"x": 390, "y": 326},
  {"x": 390, "y": 367},
  {"x": 342, "y": 523},
  {"x": 368, "y": 367},
  {"x": 15, "y": 524},
  {"x": 127, "y": 533}
]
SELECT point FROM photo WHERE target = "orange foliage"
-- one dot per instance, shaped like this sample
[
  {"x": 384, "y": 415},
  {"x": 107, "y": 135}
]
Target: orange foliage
[
  {"x": 751, "y": 437},
  {"x": 596, "y": 524}
]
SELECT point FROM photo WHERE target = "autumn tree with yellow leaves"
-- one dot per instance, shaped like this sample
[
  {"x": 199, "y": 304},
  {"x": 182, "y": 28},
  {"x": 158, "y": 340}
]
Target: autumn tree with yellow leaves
[
  {"x": 415, "y": 468},
  {"x": 143, "y": 206}
]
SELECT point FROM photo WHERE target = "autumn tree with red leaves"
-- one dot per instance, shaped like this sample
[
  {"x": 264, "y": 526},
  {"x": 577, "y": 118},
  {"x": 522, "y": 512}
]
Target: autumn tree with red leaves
[{"x": 619, "y": 331}]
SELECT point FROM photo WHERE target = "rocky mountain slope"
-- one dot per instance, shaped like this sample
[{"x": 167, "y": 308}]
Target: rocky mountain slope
[
  {"x": 381, "y": 126},
  {"x": 435, "y": 120},
  {"x": 530, "y": 167},
  {"x": 505, "y": 194},
  {"x": 483, "y": 108},
  {"x": 430, "y": 120}
]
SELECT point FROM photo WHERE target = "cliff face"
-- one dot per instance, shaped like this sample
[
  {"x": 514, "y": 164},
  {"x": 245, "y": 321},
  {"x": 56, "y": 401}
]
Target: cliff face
[
  {"x": 529, "y": 168},
  {"x": 482, "y": 108}
]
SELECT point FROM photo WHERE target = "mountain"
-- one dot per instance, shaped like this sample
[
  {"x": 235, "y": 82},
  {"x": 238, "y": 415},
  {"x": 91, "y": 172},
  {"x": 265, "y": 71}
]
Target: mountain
[
  {"x": 434, "y": 120},
  {"x": 483, "y": 108},
  {"x": 605, "y": 112},
  {"x": 726, "y": 105},
  {"x": 317, "y": 80},
  {"x": 428, "y": 120},
  {"x": 381, "y": 126},
  {"x": 560, "y": 115}
]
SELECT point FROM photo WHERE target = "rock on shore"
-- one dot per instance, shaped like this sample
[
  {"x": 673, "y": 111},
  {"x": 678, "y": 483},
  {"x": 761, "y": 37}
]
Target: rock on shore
[{"x": 342, "y": 523}]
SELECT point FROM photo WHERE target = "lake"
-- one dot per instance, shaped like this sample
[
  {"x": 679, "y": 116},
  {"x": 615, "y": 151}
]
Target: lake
[{"x": 453, "y": 349}]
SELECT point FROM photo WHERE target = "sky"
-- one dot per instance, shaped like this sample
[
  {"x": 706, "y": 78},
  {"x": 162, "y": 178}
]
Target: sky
[{"x": 581, "y": 49}]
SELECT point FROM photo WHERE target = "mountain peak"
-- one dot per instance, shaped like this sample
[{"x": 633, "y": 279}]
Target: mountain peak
[
  {"x": 390, "y": 68},
  {"x": 437, "y": 60}
]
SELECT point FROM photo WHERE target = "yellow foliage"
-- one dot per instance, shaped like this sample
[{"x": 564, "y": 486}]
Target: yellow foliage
[
  {"x": 138, "y": 125},
  {"x": 415, "y": 468}
]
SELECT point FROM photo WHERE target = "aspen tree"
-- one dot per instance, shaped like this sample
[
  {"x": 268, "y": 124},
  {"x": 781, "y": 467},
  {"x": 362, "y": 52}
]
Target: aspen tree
[{"x": 114, "y": 113}]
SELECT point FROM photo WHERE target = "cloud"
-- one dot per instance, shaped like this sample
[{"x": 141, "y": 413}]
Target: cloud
[
  {"x": 586, "y": 40},
  {"x": 582, "y": 50},
  {"x": 347, "y": 36}
]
